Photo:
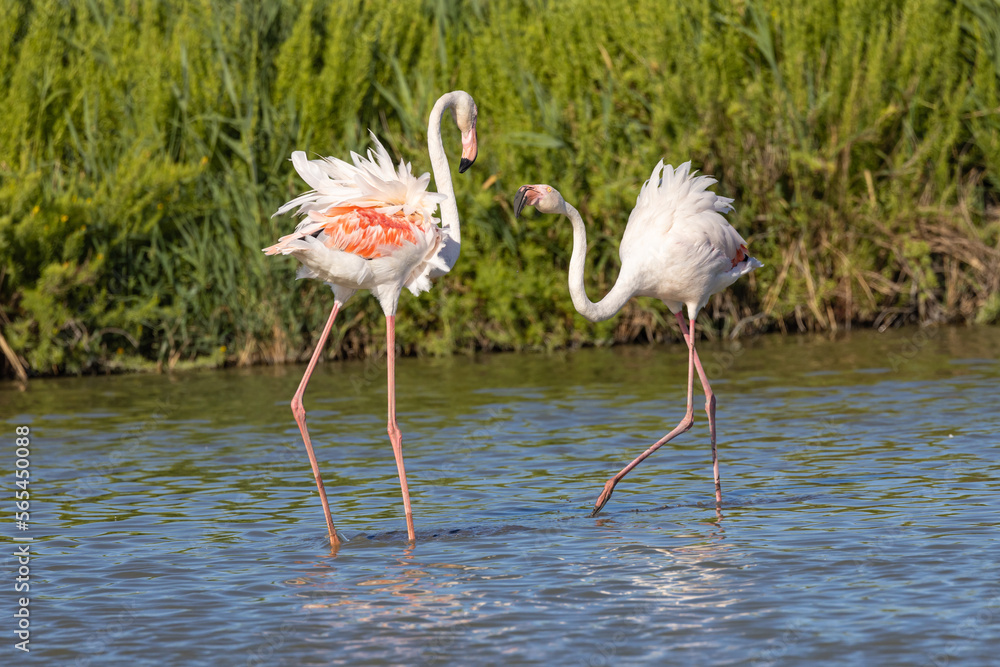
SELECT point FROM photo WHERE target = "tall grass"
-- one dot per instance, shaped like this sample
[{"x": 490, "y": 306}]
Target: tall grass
[{"x": 144, "y": 145}]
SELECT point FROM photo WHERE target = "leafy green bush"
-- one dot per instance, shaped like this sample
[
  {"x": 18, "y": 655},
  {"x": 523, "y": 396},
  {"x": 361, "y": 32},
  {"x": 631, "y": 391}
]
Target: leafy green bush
[{"x": 145, "y": 144}]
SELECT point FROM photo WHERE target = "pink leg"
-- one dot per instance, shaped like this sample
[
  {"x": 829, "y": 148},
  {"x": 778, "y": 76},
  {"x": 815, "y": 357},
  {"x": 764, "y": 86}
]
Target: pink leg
[
  {"x": 684, "y": 425},
  {"x": 300, "y": 419},
  {"x": 395, "y": 437},
  {"x": 709, "y": 408}
]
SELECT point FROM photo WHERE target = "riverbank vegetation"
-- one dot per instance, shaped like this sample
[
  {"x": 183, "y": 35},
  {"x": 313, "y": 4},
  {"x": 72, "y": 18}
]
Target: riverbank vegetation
[{"x": 144, "y": 145}]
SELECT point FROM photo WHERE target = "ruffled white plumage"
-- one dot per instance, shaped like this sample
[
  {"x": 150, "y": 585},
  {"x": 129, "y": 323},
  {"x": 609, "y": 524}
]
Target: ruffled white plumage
[
  {"x": 677, "y": 240},
  {"x": 673, "y": 193},
  {"x": 370, "y": 182},
  {"x": 367, "y": 182}
]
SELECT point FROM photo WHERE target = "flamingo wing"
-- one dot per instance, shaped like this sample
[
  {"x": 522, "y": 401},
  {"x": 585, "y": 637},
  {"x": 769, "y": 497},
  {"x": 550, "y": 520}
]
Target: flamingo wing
[
  {"x": 366, "y": 223},
  {"x": 675, "y": 204},
  {"x": 361, "y": 247},
  {"x": 364, "y": 232},
  {"x": 365, "y": 182}
]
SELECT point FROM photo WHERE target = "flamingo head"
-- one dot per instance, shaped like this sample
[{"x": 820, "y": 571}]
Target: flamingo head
[
  {"x": 545, "y": 198},
  {"x": 465, "y": 112}
]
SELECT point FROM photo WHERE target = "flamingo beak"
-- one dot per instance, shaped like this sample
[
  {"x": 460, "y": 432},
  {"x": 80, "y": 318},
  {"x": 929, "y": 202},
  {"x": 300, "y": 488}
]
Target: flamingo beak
[
  {"x": 528, "y": 195},
  {"x": 520, "y": 200},
  {"x": 469, "y": 149}
]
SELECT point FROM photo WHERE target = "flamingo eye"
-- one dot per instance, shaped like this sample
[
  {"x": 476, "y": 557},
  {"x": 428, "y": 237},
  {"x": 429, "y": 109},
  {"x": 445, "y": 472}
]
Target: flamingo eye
[{"x": 548, "y": 189}]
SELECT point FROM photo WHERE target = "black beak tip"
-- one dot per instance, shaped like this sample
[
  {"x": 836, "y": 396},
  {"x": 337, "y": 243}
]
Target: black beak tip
[
  {"x": 520, "y": 200},
  {"x": 465, "y": 164}
]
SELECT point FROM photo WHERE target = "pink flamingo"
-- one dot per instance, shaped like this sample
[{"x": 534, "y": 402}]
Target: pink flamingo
[
  {"x": 370, "y": 226},
  {"x": 678, "y": 248}
]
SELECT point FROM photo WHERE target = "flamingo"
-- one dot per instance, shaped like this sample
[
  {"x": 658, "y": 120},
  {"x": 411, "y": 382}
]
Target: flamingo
[
  {"x": 678, "y": 248},
  {"x": 370, "y": 226}
]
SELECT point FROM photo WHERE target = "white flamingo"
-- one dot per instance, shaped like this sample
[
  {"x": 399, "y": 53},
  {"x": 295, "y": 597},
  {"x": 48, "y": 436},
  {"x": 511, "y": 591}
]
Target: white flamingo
[
  {"x": 678, "y": 248},
  {"x": 370, "y": 226}
]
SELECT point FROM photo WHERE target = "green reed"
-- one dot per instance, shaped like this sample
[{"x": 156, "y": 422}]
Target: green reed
[{"x": 144, "y": 146}]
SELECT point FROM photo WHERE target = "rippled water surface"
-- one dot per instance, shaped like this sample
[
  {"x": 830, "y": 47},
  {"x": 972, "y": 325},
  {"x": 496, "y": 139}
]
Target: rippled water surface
[{"x": 175, "y": 520}]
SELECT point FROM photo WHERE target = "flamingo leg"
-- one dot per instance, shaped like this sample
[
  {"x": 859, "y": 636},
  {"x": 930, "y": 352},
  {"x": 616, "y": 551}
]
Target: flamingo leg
[
  {"x": 684, "y": 425},
  {"x": 395, "y": 437},
  {"x": 709, "y": 408},
  {"x": 300, "y": 418}
]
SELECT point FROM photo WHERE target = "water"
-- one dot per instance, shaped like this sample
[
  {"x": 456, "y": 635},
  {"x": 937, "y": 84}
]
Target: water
[{"x": 175, "y": 520}]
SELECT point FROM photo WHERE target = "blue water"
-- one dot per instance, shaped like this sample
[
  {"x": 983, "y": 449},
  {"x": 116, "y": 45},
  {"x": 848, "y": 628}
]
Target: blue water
[{"x": 175, "y": 521}]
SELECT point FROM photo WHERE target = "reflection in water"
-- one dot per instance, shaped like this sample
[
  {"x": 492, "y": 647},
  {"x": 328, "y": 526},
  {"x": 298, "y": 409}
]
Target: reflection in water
[{"x": 178, "y": 512}]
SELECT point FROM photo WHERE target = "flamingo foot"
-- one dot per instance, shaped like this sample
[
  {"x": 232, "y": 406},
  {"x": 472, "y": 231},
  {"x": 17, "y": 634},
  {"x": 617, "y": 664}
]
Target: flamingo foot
[{"x": 605, "y": 496}]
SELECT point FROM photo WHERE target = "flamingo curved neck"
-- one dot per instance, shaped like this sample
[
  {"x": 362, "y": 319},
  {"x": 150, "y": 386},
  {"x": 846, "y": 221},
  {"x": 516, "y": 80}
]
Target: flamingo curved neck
[
  {"x": 613, "y": 300},
  {"x": 442, "y": 179}
]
